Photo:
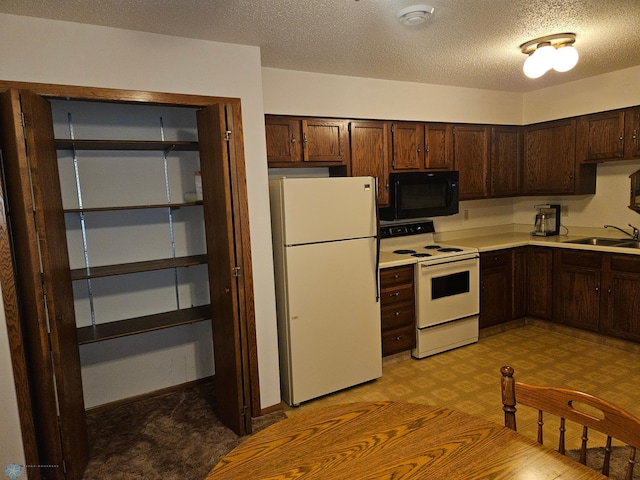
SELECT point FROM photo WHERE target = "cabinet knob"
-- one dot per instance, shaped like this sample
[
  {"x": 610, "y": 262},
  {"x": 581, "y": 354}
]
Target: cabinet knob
[
  {"x": 396, "y": 276},
  {"x": 394, "y": 294},
  {"x": 621, "y": 137},
  {"x": 293, "y": 140},
  {"x": 635, "y": 136},
  {"x": 397, "y": 314},
  {"x": 304, "y": 140}
]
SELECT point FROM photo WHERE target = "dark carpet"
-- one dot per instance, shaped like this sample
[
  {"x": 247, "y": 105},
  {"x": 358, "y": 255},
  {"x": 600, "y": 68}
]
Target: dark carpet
[
  {"x": 170, "y": 436},
  {"x": 618, "y": 463}
]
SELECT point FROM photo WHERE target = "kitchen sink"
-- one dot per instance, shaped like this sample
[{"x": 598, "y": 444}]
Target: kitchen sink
[
  {"x": 606, "y": 242},
  {"x": 628, "y": 244}
]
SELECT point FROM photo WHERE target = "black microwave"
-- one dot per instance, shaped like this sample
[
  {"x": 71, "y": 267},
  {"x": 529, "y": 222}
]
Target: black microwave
[{"x": 421, "y": 194}]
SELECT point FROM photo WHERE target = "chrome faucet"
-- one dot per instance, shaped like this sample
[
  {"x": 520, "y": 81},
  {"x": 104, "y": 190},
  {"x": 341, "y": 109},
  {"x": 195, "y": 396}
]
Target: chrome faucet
[{"x": 635, "y": 235}]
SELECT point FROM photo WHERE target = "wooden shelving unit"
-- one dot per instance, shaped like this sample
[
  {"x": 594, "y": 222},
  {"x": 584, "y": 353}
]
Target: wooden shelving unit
[
  {"x": 148, "y": 323},
  {"x": 136, "y": 267},
  {"x": 133, "y": 207},
  {"x": 131, "y": 326},
  {"x": 151, "y": 145}
]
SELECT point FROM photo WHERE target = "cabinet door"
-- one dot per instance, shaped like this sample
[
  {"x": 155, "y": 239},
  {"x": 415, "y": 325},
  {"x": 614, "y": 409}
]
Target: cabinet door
[
  {"x": 621, "y": 313},
  {"x": 495, "y": 287},
  {"x": 283, "y": 139},
  {"x": 577, "y": 288},
  {"x": 632, "y": 133},
  {"x": 325, "y": 141},
  {"x": 408, "y": 150},
  {"x": 549, "y": 158},
  {"x": 506, "y": 160},
  {"x": 519, "y": 283},
  {"x": 38, "y": 227},
  {"x": 471, "y": 159},
  {"x": 228, "y": 247},
  {"x": 540, "y": 282},
  {"x": 370, "y": 154},
  {"x": 438, "y": 151},
  {"x": 600, "y": 137}
]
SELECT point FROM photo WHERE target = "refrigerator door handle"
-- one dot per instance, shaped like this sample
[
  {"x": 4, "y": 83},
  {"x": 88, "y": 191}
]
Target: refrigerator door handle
[{"x": 375, "y": 202}]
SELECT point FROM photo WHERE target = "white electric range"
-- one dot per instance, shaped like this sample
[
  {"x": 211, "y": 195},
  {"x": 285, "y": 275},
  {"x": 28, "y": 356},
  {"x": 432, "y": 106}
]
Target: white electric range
[{"x": 447, "y": 286}]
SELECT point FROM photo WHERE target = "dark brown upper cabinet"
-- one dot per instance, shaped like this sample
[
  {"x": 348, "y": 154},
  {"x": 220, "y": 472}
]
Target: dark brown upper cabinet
[
  {"x": 306, "y": 142},
  {"x": 506, "y": 160},
  {"x": 407, "y": 146},
  {"x": 370, "y": 145},
  {"x": 549, "y": 161},
  {"x": 471, "y": 159},
  {"x": 608, "y": 136},
  {"x": 422, "y": 146}
]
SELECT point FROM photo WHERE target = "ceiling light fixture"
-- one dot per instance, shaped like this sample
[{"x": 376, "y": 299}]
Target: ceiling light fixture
[
  {"x": 414, "y": 15},
  {"x": 553, "y": 51}
]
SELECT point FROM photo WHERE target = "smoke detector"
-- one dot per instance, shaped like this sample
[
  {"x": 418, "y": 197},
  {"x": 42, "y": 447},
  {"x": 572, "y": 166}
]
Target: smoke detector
[{"x": 414, "y": 15}]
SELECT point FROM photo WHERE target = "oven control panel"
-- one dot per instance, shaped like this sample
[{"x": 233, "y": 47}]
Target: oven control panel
[{"x": 417, "y": 228}]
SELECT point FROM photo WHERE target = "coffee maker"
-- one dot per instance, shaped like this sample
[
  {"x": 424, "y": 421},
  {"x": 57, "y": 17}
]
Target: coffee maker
[{"x": 547, "y": 220}]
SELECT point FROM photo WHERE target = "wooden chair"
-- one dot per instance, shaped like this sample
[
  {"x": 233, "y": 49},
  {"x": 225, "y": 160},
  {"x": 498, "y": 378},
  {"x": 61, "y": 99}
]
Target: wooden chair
[{"x": 574, "y": 406}]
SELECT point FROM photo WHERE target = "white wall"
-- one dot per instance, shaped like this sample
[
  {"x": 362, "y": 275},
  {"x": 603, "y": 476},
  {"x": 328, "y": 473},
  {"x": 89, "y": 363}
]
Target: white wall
[
  {"x": 11, "y": 437},
  {"x": 302, "y": 93},
  {"x": 36, "y": 50},
  {"x": 596, "y": 94}
]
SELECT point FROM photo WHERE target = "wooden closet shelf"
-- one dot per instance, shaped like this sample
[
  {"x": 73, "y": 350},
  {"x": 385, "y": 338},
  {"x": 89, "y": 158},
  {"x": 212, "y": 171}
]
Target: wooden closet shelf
[
  {"x": 182, "y": 146},
  {"x": 148, "y": 323},
  {"x": 133, "y": 207},
  {"x": 136, "y": 267}
]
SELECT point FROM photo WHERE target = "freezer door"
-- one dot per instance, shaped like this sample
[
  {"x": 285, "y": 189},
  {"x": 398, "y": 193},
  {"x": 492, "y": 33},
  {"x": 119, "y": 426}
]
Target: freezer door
[
  {"x": 326, "y": 209},
  {"x": 333, "y": 324}
]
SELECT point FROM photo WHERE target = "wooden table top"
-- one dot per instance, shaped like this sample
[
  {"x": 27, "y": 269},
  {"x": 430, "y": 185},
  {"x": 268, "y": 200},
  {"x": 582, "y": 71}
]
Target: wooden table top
[{"x": 393, "y": 440}]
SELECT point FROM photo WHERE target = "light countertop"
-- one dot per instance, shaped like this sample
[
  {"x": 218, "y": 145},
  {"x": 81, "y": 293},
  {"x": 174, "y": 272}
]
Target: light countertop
[{"x": 486, "y": 242}]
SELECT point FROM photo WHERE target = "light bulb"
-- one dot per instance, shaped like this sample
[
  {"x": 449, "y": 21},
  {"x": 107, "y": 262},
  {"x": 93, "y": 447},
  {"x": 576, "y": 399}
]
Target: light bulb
[
  {"x": 546, "y": 55},
  {"x": 566, "y": 58},
  {"x": 540, "y": 61},
  {"x": 532, "y": 68}
]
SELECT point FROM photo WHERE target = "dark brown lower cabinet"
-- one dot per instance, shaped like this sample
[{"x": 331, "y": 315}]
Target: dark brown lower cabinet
[
  {"x": 495, "y": 287},
  {"x": 621, "y": 303},
  {"x": 503, "y": 286},
  {"x": 540, "y": 282},
  {"x": 397, "y": 304},
  {"x": 519, "y": 282},
  {"x": 577, "y": 288}
]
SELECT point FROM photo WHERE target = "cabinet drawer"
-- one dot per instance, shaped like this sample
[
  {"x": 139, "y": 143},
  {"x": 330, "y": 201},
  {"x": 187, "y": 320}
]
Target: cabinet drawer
[
  {"x": 581, "y": 259},
  {"x": 625, "y": 263},
  {"x": 392, "y": 296},
  {"x": 495, "y": 259},
  {"x": 398, "y": 341},
  {"x": 390, "y": 277},
  {"x": 396, "y": 316}
]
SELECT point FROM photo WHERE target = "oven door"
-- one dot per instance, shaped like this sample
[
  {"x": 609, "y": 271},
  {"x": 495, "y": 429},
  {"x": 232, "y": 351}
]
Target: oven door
[{"x": 447, "y": 289}]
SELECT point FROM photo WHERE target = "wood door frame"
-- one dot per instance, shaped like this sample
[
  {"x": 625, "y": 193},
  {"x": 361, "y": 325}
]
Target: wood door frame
[{"x": 80, "y": 93}]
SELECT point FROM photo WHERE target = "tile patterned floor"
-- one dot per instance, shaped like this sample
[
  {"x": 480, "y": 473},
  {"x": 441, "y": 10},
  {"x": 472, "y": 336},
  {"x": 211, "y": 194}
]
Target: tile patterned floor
[{"x": 468, "y": 378}]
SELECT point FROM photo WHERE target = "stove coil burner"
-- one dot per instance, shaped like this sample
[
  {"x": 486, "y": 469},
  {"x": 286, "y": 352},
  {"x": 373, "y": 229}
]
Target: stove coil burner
[
  {"x": 450, "y": 249},
  {"x": 432, "y": 247},
  {"x": 421, "y": 255},
  {"x": 403, "y": 251}
]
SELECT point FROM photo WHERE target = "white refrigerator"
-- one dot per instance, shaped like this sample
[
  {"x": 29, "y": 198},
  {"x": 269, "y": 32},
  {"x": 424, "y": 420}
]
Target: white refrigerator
[{"x": 325, "y": 260}]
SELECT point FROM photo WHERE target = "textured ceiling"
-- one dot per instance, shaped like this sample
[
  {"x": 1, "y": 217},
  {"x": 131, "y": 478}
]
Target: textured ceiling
[{"x": 469, "y": 43}]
